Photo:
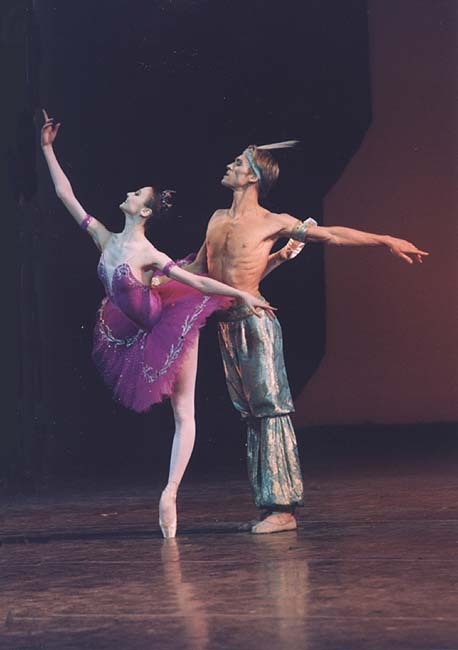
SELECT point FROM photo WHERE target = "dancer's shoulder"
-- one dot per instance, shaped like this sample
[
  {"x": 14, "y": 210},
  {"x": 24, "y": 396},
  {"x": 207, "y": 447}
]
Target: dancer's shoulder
[
  {"x": 218, "y": 213},
  {"x": 282, "y": 219},
  {"x": 148, "y": 254},
  {"x": 281, "y": 224}
]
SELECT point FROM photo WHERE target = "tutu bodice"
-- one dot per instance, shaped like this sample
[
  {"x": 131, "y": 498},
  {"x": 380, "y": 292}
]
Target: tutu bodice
[
  {"x": 140, "y": 303},
  {"x": 142, "y": 334}
]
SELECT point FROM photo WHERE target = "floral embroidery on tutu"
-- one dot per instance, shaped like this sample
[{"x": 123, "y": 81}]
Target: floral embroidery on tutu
[
  {"x": 175, "y": 349},
  {"x": 142, "y": 334},
  {"x": 107, "y": 334}
]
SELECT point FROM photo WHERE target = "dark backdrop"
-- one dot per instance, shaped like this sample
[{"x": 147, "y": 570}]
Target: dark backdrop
[{"x": 162, "y": 92}]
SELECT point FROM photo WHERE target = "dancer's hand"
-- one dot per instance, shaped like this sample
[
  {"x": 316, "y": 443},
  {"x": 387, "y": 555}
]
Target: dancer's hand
[
  {"x": 405, "y": 250},
  {"x": 291, "y": 249},
  {"x": 257, "y": 304},
  {"x": 49, "y": 130}
]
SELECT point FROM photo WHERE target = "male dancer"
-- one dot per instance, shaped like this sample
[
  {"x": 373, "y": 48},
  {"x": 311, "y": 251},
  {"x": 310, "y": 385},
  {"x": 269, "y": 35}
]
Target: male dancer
[{"x": 237, "y": 251}]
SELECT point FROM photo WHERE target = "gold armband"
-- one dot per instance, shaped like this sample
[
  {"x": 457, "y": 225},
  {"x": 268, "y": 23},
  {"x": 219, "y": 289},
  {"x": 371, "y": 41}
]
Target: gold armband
[{"x": 299, "y": 232}]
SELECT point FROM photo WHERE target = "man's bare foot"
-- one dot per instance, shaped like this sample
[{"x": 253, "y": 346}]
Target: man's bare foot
[{"x": 276, "y": 522}]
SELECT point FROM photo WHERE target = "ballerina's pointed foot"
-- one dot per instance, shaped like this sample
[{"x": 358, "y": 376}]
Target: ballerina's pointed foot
[
  {"x": 168, "y": 532},
  {"x": 168, "y": 510}
]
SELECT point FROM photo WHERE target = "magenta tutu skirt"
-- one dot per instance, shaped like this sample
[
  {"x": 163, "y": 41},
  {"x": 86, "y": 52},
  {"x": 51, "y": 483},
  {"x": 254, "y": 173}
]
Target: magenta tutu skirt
[{"x": 142, "y": 335}]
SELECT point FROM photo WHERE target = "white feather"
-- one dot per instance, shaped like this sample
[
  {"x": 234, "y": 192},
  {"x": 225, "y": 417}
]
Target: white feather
[{"x": 287, "y": 144}]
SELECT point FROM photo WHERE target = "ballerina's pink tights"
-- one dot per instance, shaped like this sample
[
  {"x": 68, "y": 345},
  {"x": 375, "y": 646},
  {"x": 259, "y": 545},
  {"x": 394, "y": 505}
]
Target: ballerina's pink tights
[{"x": 183, "y": 410}]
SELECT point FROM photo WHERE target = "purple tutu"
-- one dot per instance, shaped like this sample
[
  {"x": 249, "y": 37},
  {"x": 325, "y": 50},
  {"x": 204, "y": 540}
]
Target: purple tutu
[{"x": 142, "y": 335}]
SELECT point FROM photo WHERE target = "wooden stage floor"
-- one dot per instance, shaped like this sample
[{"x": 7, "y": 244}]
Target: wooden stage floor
[{"x": 373, "y": 565}]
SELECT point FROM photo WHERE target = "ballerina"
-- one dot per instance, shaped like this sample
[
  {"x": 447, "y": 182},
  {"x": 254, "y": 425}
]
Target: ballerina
[{"x": 146, "y": 334}]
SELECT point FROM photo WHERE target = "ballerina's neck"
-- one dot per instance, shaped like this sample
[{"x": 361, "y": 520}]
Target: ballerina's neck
[{"x": 133, "y": 231}]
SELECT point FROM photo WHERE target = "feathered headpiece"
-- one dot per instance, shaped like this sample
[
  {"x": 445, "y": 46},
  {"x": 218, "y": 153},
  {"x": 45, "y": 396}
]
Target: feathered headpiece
[{"x": 286, "y": 144}]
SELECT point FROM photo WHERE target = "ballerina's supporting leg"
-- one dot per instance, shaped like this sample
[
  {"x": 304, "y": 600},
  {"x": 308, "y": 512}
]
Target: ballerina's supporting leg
[{"x": 183, "y": 440}]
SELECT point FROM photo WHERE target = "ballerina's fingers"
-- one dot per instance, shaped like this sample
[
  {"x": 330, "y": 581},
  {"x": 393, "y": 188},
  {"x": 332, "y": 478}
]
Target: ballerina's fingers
[
  {"x": 49, "y": 121},
  {"x": 266, "y": 308},
  {"x": 50, "y": 127},
  {"x": 52, "y": 123}
]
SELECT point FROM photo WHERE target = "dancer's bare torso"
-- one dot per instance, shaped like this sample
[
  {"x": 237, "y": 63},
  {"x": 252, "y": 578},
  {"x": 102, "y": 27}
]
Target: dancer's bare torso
[{"x": 238, "y": 248}]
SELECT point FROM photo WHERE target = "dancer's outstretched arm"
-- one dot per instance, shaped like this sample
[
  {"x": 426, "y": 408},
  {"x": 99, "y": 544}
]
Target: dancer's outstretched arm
[
  {"x": 342, "y": 236},
  {"x": 62, "y": 185},
  {"x": 208, "y": 285}
]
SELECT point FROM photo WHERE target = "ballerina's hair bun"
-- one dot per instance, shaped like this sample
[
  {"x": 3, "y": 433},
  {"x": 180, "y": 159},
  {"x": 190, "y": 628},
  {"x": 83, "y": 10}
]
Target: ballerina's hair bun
[
  {"x": 166, "y": 200},
  {"x": 160, "y": 202}
]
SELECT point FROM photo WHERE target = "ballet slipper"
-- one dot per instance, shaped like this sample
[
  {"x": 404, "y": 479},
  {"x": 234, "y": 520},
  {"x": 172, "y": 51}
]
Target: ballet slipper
[
  {"x": 276, "y": 522},
  {"x": 168, "y": 510}
]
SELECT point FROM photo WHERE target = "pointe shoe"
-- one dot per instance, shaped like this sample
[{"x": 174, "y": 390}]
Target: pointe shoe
[
  {"x": 277, "y": 522},
  {"x": 168, "y": 510}
]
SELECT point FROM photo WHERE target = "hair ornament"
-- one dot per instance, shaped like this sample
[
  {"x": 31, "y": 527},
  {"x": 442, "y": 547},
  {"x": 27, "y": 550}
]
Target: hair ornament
[
  {"x": 166, "y": 199},
  {"x": 286, "y": 144},
  {"x": 249, "y": 156}
]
